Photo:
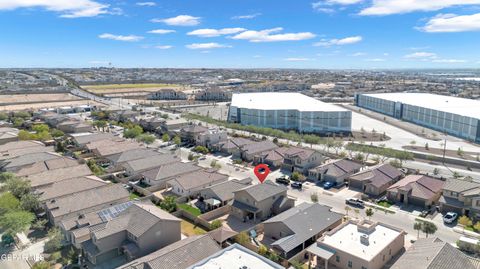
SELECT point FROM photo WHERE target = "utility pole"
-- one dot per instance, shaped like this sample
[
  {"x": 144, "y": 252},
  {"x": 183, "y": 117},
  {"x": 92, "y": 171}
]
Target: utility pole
[{"x": 444, "y": 147}]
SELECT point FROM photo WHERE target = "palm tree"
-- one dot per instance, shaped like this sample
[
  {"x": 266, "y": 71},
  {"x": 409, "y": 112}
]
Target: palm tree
[
  {"x": 417, "y": 226},
  {"x": 429, "y": 228},
  {"x": 347, "y": 208},
  {"x": 369, "y": 212}
]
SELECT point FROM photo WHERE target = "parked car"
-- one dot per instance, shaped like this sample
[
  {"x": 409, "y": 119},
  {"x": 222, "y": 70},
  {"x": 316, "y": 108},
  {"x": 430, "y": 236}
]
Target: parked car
[
  {"x": 450, "y": 217},
  {"x": 329, "y": 184},
  {"x": 355, "y": 202},
  {"x": 296, "y": 185},
  {"x": 424, "y": 213},
  {"x": 282, "y": 180}
]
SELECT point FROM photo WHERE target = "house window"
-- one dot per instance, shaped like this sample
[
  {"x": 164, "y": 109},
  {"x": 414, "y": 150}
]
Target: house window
[
  {"x": 390, "y": 252},
  {"x": 454, "y": 194},
  {"x": 337, "y": 258},
  {"x": 477, "y": 203},
  {"x": 350, "y": 264},
  {"x": 383, "y": 258}
]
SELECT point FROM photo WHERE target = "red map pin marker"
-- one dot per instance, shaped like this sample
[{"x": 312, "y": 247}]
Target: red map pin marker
[{"x": 261, "y": 171}]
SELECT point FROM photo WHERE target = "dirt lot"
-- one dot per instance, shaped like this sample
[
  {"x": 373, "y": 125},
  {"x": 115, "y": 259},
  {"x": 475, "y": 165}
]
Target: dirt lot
[
  {"x": 129, "y": 88},
  {"x": 37, "y": 98},
  {"x": 35, "y": 106}
]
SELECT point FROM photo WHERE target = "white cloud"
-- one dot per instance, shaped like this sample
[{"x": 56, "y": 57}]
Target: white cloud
[
  {"x": 421, "y": 55},
  {"x": 325, "y": 6},
  {"x": 180, "y": 20},
  {"x": 270, "y": 35},
  {"x": 97, "y": 62},
  {"x": 146, "y": 4},
  {"x": 451, "y": 61},
  {"x": 215, "y": 32},
  {"x": 161, "y": 31},
  {"x": 375, "y": 60},
  {"x": 163, "y": 47},
  {"x": 127, "y": 38},
  {"x": 66, "y": 8},
  {"x": 206, "y": 46},
  {"x": 357, "y": 54},
  {"x": 452, "y": 23},
  {"x": 338, "y": 42},
  {"x": 246, "y": 17},
  {"x": 388, "y": 7},
  {"x": 296, "y": 59}
]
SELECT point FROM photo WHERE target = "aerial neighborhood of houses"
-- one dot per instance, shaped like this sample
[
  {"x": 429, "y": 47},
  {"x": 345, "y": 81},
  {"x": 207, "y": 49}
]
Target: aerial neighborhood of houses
[{"x": 152, "y": 189}]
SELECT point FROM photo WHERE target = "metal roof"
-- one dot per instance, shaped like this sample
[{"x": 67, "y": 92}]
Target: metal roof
[
  {"x": 281, "y": 101},
  {"x": 454, "y": 105}
]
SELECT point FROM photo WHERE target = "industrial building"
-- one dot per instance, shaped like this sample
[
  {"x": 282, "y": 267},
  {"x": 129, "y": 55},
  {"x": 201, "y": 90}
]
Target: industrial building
[
  {"x": 459, "y": 117},
  {"x": 289, "y": 111}
]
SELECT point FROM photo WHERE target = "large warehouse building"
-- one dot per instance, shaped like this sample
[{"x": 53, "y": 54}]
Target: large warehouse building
[
  {"x": 456, "y": 116},
  {"x": 289, "y": 111}
]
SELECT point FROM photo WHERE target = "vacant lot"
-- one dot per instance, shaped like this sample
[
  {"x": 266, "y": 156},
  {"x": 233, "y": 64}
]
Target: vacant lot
[
  {"x": 129, "y": 88},
  {"x": 37, "y": 98},
  {"x": 36, "y": 106}
]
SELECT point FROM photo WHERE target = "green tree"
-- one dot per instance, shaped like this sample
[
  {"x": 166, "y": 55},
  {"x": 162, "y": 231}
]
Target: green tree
[
  {"x": 40, "y": 224},
  {"x": 477, "y": 226},
  {"x": 18, "y": 122},
  {"x": 297, "y": 176},
  {"x": 215, "y": 224},
  {"x": 200, "y": 149},
  {"x": 25, "y": 135},
  {"x": 296, "y": 264},
  {"x": 242, "y": 238},
  {"x": 18, "y": 187},
  {"x": 465, "y": 221},
  {"x": 429, "y": 228},
  {"x": 133, "y": 132},
  {"x": 436, "y": 171},
  {"x": 177, "y": 140},
  {"x": 8, "y": 202},
  {"x": 3, "y": 116},
  {"x": 30, "y": 202},
  {"x": 417, "y": 226},
  {"x": 168, "y": 204},
  {"x": 16, "y": 221},
  {"x": 56, "y": 133},
  {"x": 369, "y": 212},
  {"x": 4, "y": 176},
  {"x": 100, "y": 124},
  {"x": 22, "y": 114},
  {"x": 97, "y": 170},
  {"x": 165, "y": 137},
  {"x": 41, "y": 265},
  {"x": 40, "y": 128},
  {"x": 54, "y": 242},
  {"x": 263, "y": 250},
  {"x": 146, "y": 138}
]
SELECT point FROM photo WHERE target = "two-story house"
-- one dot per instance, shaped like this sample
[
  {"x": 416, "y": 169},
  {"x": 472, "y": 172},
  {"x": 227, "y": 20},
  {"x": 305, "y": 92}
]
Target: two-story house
[
  {"x": 462, "y": 197},
  {"x": 336, "y": 171},
  {"x": 290, "y": 158},
  {"x": 261, "y": 201},
  {"x": 137, "y": 231}
]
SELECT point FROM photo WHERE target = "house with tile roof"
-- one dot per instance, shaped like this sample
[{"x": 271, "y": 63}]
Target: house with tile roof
[
  {"x": 190, "y": 184},
  {"x": 69, "y": 206},
  {"x": 137, "y": 231},
  {"x": 291, "y": 158},
  {"x": 461, "y": 196},
  {"x": 297, "y": 228},
  {"x": 433, "y": 253},
  {"x": 334, "y": 171},
  {"x": 179, "y": 255},
  {"x": 418, "y": 190},
  {"x": 375, "y": 181},
  {"x": 160, "y": 175},
  {"x": 260, "y": 201}
]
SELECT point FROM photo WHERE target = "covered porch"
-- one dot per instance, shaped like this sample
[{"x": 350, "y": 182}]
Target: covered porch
[
  {"x": 319, "y": 257},
  {"x": 246, "y": 212}
]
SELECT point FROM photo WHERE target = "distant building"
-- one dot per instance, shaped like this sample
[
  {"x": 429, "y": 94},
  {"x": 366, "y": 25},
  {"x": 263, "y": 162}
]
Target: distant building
[
  {"x": 456, "y": 116},
  {"x": 214, "y": 94},
  {"x": 358, "y": 245},
  {"x": 167, "y": 94},
  {"x": 289, "y": 111}
]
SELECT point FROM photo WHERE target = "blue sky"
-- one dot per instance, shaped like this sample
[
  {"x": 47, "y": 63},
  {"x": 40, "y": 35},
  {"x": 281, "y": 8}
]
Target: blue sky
[{"x": 243, "y": 34}]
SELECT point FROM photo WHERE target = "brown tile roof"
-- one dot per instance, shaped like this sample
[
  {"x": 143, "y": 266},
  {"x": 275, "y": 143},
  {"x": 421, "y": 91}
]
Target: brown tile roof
[
  {"x": 378, "y": 175},
  {"x": 55, "y": 175},
  {"x": 199, "y": 178},
  {"x": 419, "y": 186},
  {"x": 69, "y": 186}
]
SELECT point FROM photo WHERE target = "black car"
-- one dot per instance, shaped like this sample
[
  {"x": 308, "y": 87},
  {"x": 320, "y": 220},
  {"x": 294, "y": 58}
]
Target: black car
[
  {"x": 296, "y": 185},
  {"x": 282, "y": 180}
]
